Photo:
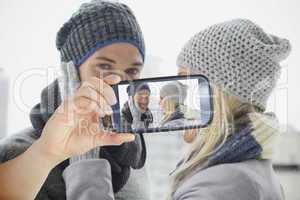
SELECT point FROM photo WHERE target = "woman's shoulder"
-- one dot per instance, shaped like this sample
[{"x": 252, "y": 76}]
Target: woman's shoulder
[
  {"x": 255, "y": 171},
  {"x": 247, "y": 167},
  {"x": 243, "y": 180}
]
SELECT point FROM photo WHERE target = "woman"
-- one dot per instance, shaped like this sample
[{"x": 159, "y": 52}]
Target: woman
[
  {"x": 231, "y": 158},
  {"x": 103, "y": 40},
  {"x": 172, "y": 97}
]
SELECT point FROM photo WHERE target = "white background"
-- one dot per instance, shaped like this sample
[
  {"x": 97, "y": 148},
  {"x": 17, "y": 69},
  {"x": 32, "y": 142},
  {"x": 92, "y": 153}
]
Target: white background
[{"x": 28, "y": 30}]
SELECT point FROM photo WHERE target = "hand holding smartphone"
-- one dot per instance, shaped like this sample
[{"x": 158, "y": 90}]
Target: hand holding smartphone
[
  {"x": 73, "y": 128},
  {"x": 148, "y": 105}
]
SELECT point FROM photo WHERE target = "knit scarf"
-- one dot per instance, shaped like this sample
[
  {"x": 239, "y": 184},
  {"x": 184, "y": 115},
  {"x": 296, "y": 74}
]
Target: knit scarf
[{"x": 254, "y": 139}]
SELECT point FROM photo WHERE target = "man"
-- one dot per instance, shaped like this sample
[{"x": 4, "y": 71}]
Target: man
[
  {"x": 102, "y": 39},
  {"x": 135, "y": 112}
]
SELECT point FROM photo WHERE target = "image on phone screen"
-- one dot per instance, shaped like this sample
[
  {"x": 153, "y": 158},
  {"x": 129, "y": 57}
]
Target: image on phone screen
[{"x": 162, "y": 104}]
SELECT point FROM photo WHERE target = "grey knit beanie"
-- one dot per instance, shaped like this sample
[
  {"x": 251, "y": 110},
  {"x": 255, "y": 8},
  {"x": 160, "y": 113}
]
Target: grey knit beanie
[
  {"x": 95, "y": 25},
  {"x": 239, "y": 57},
  {"x": 174, "y": 91}
]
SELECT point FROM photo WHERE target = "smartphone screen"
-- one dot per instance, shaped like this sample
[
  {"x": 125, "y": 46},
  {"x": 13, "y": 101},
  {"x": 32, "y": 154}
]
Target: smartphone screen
[{"x": 162, "y": 104}]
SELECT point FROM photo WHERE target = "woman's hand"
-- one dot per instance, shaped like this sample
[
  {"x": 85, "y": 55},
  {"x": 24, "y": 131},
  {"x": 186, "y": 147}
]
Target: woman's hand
[{"x": 74, "y": 127}]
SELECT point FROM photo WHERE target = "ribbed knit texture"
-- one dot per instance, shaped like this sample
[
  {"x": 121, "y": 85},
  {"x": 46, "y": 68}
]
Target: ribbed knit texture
[{"x": 95, "y": 25}]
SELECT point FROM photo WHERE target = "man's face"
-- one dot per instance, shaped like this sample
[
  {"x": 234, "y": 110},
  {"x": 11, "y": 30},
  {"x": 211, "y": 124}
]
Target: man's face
[
  {"x": 141, "y": 98},
  {"x": 122, "y": 59}
]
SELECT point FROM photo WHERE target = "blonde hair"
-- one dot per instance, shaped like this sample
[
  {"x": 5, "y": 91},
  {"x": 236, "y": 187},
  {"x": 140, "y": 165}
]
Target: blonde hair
[{"x": 209, "y": 139}]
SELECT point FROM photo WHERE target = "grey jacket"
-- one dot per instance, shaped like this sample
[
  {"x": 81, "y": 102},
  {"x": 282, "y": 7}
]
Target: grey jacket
[
  {"x": 54, "y": 187},
  {"x": 95, "y": 182},
  {"x": 249, "y": 180}
]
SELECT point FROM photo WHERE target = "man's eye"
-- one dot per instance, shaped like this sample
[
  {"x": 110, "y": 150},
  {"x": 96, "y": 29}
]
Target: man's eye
[
  {"x": 104, "y": 66},
  {"x": 133, "y": 71}
]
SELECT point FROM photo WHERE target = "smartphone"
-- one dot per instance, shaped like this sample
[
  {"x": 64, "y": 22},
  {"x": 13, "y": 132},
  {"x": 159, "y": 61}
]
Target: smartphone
[{"x": 162, "y": 104}]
